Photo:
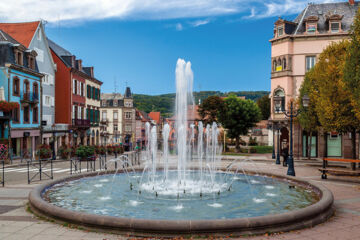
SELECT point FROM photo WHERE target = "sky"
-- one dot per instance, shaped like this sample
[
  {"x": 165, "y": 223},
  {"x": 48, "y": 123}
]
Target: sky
[{"x": 136, "y": 43}]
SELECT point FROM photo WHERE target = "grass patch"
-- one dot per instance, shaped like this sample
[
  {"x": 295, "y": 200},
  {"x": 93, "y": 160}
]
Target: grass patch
[{"x": 262, "y": 149}]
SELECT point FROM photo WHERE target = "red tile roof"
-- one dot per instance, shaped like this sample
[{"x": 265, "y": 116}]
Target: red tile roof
[
  {"x": 155, "y": 116},
  {"x": 22, "y": 32}
]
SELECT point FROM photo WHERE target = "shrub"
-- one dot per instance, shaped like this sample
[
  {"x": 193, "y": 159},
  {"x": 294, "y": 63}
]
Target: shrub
[
  {"x": 263, "y": 149},
  {"x": 64, "y": 152},
  {"x": 84, "y": 152},
  {"x": 252, "y": 141},
  {"x": 44, "y": 151}
]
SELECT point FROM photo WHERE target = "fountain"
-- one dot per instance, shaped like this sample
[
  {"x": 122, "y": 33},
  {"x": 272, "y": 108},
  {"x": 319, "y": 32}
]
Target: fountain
[{"x": 187, "y": 192}]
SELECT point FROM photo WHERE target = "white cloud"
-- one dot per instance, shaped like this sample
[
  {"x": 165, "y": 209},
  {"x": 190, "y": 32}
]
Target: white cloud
[
  {"x": 70, "y": 11},
  {"x": 200, "y": 22},
  {"x": 179, "y": 27}
]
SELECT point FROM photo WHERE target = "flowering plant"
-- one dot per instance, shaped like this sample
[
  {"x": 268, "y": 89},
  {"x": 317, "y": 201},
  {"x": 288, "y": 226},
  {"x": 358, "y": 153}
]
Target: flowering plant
[{"x": 8, "y": 106}]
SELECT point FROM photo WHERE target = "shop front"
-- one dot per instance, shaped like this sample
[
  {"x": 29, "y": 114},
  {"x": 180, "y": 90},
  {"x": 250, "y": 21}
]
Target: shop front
[{"x": 24, "y": 141}]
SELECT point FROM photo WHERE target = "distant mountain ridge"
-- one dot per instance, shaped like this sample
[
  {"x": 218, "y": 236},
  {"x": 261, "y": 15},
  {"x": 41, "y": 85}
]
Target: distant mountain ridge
[{"x": 164, "y": 103}]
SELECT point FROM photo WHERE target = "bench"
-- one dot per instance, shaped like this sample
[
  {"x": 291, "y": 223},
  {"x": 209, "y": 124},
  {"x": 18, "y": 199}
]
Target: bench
[{"x": 346, "y": 171}]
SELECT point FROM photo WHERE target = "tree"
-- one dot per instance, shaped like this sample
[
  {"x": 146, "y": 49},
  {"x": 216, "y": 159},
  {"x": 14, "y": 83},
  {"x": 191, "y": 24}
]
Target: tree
[
  {"x": 333, "y": 102},
  {"x": 264, "y": 105},
  {"x": 238, "y": 116},
  {"x": 308, "y": 118},
  {"x": 352, "y": 66},
  {"x": 209, "y": 109}
]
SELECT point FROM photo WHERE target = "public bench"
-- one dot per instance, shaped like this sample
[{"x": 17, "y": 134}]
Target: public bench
[{"x": 325, "y": 169}]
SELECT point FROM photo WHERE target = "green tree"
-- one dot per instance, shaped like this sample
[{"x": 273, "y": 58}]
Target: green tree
[
  {"x": 352, "y": 66},
  {"x": 308, "y": 118},
  {"x": 238, "y": 116},
  {"x": 264, "y": 105},
  {"x": 209, "y": 109},
  {"x": 333, "y": 102}
]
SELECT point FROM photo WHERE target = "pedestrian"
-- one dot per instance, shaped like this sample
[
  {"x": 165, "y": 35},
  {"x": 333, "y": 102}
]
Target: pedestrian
[{"x": 285, "y": 153}]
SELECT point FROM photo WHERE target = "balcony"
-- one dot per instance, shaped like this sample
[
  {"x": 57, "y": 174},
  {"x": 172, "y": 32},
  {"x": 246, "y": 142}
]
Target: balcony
[
  {"x": 81, "y": 123},
  {"x": 29, "y": 98}
]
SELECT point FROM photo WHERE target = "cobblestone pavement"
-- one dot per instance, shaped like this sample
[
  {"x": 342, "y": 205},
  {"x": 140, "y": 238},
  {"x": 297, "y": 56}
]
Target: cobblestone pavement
[{"x": 17, "y": 223}]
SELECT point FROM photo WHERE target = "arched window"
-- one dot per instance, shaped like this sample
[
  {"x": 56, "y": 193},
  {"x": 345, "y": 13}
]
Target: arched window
[
  {"x": 16, "y": 86},
  {"x": 280, "y": 93},
  {"x": 35, "y": 91},
  {"x": 284, "y": 63},
  {"x": 274, "y": 66},
  {"x": 26, "y": 90}
]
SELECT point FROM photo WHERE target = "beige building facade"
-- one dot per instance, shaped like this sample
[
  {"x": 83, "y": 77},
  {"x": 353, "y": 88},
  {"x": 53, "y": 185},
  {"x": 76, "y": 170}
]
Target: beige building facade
[{"x": 295, "y": 48}]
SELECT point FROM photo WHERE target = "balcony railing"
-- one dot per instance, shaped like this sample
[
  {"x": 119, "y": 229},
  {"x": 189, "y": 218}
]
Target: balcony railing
[
  {"x": 30, "y": 97},
  {"x": 81, "y": 123}
]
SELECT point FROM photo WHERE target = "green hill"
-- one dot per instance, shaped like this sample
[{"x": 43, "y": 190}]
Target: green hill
[{"x": 164, "y": 103}]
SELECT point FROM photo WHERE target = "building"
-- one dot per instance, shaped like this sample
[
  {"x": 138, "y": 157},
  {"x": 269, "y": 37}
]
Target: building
[
  {"x": 295, "y": 48},
  {"x": 32, "y": 36},
  {"x": 21, "y": 81},
  {"x": 118, "y": 119},
  {"x": 141, "y": 118},
  {"x": 72, "y": 107}
]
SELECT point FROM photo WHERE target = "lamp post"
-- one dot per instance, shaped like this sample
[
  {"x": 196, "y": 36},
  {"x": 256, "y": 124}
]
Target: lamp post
[
  {"x": 53, "y": 145},
  {"x": 292, "y": 113},
  {"x": 270, "y": 127}
]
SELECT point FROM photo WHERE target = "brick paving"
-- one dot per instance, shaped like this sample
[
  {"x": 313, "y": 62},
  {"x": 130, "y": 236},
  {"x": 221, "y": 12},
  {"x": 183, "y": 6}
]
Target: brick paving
[{"x": 17, "y": 223}]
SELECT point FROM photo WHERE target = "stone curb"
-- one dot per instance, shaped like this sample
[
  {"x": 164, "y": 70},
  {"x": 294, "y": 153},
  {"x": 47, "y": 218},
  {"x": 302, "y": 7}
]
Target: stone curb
[{"x": 293, "y": 220}]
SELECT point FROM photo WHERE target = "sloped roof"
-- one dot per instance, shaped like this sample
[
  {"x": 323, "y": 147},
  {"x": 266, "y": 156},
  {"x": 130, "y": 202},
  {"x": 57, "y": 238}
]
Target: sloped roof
[
  {"x": 22, "y": 32},
  {"x": 155, "y": 116},
  {"x": 323, "y": 11},
  {"x": 5, "y": 37}
]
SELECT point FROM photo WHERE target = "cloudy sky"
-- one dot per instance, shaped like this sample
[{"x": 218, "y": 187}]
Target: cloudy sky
[{"x": 137, "y": 42}]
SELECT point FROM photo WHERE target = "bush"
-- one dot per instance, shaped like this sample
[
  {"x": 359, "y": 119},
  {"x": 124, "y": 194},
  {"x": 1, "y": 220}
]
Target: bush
[
  {"x": 84, "y": 152},
  {"x": 263, "y": 149},
  {"x": 64, "y": 152},
  {"x": 44, "y": 151},
  {"x": 100, "y": 150}
]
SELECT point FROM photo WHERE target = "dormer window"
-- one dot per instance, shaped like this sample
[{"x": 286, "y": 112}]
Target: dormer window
[
  {"x": 335, "y": 27},
  {"x": 19, "y": 57},
  {"x": 31, "y": 62},
  {"x": 280, "y": 31},
  {"x": 311, "y": 28}
]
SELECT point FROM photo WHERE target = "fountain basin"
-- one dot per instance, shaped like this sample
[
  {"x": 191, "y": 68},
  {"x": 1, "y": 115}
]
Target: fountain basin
[{"x": 309, "y": 216}]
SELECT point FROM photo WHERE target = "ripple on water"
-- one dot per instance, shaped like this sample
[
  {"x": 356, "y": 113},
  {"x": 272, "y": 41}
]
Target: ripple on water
[
  {"x": 105, "y": 198},
  {"x": 269, "y": 187},
  {"x": 259, "y": 200},
  {"x": 86, "y": 191},
  {"x": 254, "y": 181},
  {"x": 271, "y": 194},
  {"x": 215, "y": 205},
  {"x": 177, "y": 208},
  {"x": 104, "y": 180},
  {"x": 134, "y": 203},
  {"x": 98, "y": 185}
]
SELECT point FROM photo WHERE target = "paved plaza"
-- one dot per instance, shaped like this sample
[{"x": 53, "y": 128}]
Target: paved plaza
[{"x": 17, "y": 223}]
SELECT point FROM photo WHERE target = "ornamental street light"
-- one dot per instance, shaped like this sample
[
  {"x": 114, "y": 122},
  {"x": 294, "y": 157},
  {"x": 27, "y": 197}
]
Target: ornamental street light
[{"x": 292, "y": 113}]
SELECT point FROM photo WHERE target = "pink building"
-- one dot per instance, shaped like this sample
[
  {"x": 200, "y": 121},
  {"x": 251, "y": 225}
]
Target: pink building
[{"x": 295, "y": 48}]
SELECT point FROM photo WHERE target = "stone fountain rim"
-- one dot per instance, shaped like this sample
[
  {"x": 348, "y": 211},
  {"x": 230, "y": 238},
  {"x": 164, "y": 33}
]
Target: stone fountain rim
[{"x": 306, "y": 217}]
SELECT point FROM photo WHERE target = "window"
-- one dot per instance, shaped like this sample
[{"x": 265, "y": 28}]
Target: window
[
  {"x": 115, "y": 128},
  {"x": 16, "y": 86},
  {"x": 128, "y": 128},
  {"x": 311, "y": 28},
  {"x": 115, "y": 116},
  {"x": 88, "y": 91},
  {"x": 19, "y": 58},
  {"x": 31, "y": 62},
  {"x": 26, "y": 114},
  {"x": 280, "y": 93},
  {"x": 35, "y": 115},
  {"x": 335, "y": 27},
  {"x": 284, "y": 63},
  {"x": 310, "y": 62},
  {"x": 16, "y": 115},
  {"x": 79, "y": 113},
  {"x": 35, "y": 91},
  {"x": 74, "y": 112},
  {"x": 127, "y": 115},
  {"x": 82, "y": 89},
  {"x": 74, "y": 86},
  {"x": 104, "y": 115},
  {"x": 48, "y": 101},
  {"x": 78, "y": 91},
  {"x": 46, "y": 79},
  {"x": 279, "y": 66},
  {"x": 280, "y": 31}
]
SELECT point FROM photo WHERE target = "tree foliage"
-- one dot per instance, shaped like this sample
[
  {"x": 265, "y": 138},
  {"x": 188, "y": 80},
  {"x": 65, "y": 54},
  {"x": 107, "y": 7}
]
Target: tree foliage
[
  {"x": 352, "y": 66},
  {"x": 238, "y": 116},
  {"x": 209, "y": 109},
  {"x": 264, "y": 105}
]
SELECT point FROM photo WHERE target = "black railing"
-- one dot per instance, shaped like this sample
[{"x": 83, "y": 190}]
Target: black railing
[
  {"x": 30, "y": 97},
  {"x": 81, "y": 123}
]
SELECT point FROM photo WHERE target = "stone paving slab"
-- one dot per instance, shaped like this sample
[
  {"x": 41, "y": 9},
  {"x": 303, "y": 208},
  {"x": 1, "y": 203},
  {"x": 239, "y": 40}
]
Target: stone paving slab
[{"x": 17, "y": 223}]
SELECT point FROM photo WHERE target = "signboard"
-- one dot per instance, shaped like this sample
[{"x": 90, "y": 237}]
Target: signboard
[
  {"x": 26, "y": 134},
  {"x": 43, "y": 123},
  {"x": 278, "y": 68}
]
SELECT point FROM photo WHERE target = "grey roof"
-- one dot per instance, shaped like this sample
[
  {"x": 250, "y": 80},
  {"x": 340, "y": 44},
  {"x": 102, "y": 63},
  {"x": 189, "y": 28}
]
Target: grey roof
[
  {"x": 4, "y": 37},
  {"x": 111, "y": 96},
  {"x": 326, "y": 9},
  {"x": 60, "y": 51}
]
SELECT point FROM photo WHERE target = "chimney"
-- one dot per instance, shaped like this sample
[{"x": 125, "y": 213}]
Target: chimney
[
  {"x": 352, "y": 2},
  {"x": 79, "y": 64},
  {"x": 92, "y": 71},
  {"x": 73, "y": 61}
]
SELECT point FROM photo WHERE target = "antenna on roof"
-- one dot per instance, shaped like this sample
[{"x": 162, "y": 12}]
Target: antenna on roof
[{"x": 115, "y": 84}]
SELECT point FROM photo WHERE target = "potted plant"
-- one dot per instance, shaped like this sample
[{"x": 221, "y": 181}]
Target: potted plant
[
  {"x": 109, "y": 149},
  {"x": 8, "y": 106},
  {"x": 84, "y": 152},
  {"x": 65, "y": 152},
  {"x": 44, "y": 151}
]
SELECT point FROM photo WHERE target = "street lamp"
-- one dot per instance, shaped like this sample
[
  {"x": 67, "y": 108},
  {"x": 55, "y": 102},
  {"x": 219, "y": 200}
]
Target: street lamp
[{"x": 290, "y": 114}]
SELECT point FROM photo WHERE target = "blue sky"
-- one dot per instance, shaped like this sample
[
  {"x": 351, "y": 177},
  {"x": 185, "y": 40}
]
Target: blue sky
[{"x": 138, "y": 42}]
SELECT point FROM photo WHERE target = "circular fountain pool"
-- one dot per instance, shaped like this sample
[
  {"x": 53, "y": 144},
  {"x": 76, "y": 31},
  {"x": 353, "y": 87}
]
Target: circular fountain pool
[
  {"x": 248, "y": 196},
  {"x": 255, "y": 204}
]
